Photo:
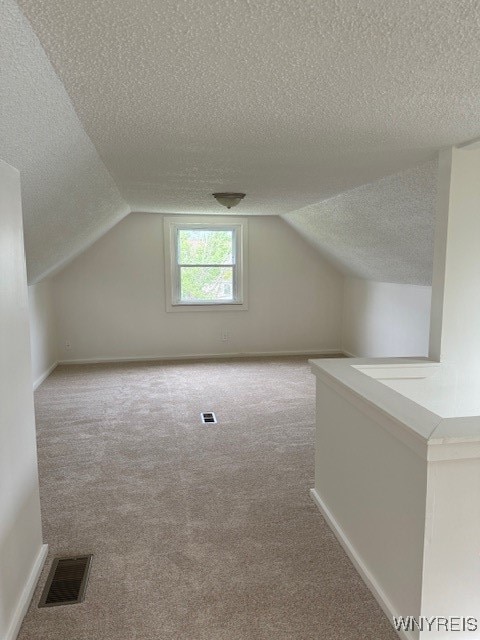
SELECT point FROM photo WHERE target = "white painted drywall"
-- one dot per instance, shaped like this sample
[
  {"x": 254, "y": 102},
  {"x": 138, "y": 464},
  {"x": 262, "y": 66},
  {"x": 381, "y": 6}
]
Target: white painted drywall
[
  {"x": 456, "y": 293},
  {"x": 451, "y": 564},
  {"x": 372, "y": 487},
  {"x": 110, "y": 301},
  {"x": 42, "y": 330},
  {"x": 382, "y": 319},
  {"x": 399, "y": 487},
  {"x": 20, "y": 523}
]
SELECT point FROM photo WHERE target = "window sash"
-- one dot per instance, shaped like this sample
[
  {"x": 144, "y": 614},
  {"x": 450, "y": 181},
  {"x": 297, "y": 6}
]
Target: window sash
[
  {"x": 230, "y": 300},
  {"x": 190, "y": 227},
  {"x": 201, "y": 264},
  {"x": 236, "y": 266}
]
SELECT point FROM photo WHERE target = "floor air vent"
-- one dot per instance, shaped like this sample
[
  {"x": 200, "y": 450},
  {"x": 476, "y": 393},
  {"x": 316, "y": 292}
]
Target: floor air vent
[
  {"x": 66, "y": 582},
  {"x": 208, "y": 417}
]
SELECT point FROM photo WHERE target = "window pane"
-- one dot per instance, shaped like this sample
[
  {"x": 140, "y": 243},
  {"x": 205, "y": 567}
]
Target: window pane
[
  {"x": 205, "y": 246},
  {"x": 206, "y": 283}
]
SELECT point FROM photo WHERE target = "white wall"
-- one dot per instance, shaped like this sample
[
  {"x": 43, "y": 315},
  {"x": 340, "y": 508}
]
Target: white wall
[
  {"x": 21, "y": 551},
  {"x": 385, "y": 320},
  {"x": 455, "y": 336},
  {"x": 42, "y": 330},
  {"x": 371, "y": 487},
  {"x": 110, "y": 301}
]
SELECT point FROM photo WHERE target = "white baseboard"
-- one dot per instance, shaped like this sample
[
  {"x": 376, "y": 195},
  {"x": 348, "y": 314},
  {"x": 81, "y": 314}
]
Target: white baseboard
[
  {"x": 204, "y": 356},
  {"x": 348, "y": 354},
  {"x": 44, "y": 376},
  {"x": 27, "y": 594},
  {"x": 359, "y": 565}
]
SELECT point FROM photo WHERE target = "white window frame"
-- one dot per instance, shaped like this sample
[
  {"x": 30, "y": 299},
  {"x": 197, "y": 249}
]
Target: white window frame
[{"x": 239, "y": 226}]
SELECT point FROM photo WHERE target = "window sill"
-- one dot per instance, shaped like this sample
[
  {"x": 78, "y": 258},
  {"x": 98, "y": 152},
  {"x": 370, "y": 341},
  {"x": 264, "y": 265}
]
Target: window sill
[{"x": 198, "y": 306}]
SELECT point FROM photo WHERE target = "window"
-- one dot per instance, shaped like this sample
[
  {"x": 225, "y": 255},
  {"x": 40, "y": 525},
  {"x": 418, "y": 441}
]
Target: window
[{"x": 205, "y": 264}]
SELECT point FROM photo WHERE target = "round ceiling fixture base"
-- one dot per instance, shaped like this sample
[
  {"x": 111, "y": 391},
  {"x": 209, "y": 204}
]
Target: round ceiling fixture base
[{"x": 228, "y": 199}]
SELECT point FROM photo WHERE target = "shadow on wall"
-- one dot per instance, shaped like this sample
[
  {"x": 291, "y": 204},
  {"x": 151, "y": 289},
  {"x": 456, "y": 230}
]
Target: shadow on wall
[
  {"x": 382, "y": 319},
  {"x": 19, "y": 535}
]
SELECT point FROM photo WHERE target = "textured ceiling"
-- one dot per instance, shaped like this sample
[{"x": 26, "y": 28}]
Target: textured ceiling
[
  {"x": 69, "y": 198},
  {"x": 381, "y": 231},
  {"x": 292, "y": 101}
]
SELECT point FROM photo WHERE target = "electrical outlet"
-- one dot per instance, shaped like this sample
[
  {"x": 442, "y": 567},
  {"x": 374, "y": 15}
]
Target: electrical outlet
[
  {"x": 68, "y": 344},
  {"x": 225, "y": 335}
]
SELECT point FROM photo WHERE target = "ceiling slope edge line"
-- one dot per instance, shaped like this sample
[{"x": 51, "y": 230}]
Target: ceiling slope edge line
[
  {"x": 99, "y": 233},
  {"x": 338, "y": 265},
  {"x": 72, "y": 104}
]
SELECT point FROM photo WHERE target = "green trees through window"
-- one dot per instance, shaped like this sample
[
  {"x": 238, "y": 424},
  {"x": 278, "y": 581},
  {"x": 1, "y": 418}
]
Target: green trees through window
[{"x": 206, "y": 261}]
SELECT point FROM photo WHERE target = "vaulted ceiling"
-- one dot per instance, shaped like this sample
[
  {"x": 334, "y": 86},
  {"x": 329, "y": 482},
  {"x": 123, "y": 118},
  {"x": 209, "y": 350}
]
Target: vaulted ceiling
[
  {"x": 380, "y": 231},
  {"x": 149, "y": 105},
  {"x": 69, "y": 197}
]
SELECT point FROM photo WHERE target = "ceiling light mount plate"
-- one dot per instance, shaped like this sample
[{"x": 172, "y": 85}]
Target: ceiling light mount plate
[{"x": 228, "y": 199}]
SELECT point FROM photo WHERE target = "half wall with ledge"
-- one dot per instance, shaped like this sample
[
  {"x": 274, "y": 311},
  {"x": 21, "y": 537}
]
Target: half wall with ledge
[{"x": 397, "y": 477}]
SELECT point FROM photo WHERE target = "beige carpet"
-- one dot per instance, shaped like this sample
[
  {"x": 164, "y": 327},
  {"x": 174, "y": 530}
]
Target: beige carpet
[{"x": 198, "y": 531}]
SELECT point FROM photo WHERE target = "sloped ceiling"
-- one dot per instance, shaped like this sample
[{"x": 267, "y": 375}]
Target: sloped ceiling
[
  {"x": 291, "y": 101},
  {"x": 380, "y": 231},
  {"x": 69, "y": 197}
]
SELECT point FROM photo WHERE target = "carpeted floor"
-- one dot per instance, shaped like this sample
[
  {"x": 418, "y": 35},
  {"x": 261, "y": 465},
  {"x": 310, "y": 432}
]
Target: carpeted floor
[{"x": 199, "y": 532}]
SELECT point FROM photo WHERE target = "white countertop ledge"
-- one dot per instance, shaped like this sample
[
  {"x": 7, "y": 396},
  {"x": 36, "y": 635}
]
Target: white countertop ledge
[{"x": 363, "y": 381}]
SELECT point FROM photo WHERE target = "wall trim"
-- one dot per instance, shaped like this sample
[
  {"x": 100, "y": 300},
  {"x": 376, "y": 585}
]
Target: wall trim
[
  {"x": 348, "y": 354},
  {"x": 362, "y": 569},
  {"x": 27, "y": 594},
  {"x": 44, "y": 376},
  {"x": 202, "y": 356}
]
